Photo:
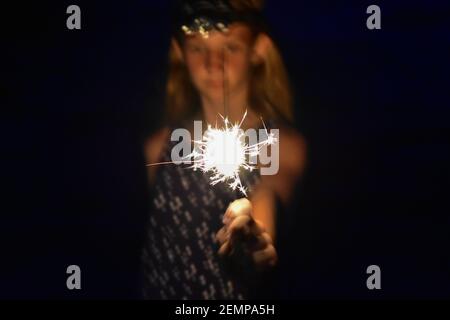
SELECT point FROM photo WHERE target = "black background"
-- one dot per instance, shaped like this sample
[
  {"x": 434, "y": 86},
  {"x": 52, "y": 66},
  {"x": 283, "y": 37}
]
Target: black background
[{"x": 372, "y": 105}]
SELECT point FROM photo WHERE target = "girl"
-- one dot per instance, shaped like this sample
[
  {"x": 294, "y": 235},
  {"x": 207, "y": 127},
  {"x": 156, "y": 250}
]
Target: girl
[{"x": 202, "y": 241}]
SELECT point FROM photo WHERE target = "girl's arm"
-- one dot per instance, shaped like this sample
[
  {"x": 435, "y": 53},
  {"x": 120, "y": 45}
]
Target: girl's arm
[
  {"x": 292, "y": 160},
  {"x": 251, "y": 224}
]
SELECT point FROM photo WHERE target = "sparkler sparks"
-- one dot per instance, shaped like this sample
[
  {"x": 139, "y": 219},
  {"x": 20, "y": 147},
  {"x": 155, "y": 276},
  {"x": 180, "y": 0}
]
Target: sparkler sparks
[{"x": 223, "y": 153}]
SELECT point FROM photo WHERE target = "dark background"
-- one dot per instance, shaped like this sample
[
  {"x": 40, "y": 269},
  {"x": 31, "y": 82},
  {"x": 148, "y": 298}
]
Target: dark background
[{"x": 372, "y": 105}]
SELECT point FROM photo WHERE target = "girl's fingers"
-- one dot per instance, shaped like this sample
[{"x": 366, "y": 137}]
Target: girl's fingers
[
  {"x": 259, "y": 242},
  {"x": 248, "y": 234},
  {"x": 263, "y": 254},
  {"x": 221, "y": 235},
  {"x": 238, "y": 207},
  {"x": 265, "y": 257},
  {"x": 239, "y": 228},
  {"x": 225, "y": 248},
  {"x": 244, "y": 226}
]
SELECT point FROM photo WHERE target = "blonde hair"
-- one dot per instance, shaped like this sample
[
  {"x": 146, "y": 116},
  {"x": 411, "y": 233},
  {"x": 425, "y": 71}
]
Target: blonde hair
[{"x": 270, "y": 93}]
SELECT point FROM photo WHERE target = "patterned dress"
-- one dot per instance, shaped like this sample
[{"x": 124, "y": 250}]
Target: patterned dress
[{"x": 179, "y": 257}]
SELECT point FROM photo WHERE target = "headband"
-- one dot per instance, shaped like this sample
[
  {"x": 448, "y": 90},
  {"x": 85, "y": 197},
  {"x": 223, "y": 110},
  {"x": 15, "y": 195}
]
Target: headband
[{"x": 203, "y": 16}]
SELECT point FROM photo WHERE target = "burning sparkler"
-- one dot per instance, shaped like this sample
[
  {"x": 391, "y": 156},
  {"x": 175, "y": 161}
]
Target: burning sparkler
[{"x": 223, "y": 153}]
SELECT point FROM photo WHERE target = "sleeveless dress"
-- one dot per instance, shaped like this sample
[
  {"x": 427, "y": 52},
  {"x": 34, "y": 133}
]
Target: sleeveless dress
[{"x": 179, "y": 258}]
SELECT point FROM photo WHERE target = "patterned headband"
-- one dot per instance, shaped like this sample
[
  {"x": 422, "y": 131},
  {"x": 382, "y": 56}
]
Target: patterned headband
[{"x": 203, "y": 16}]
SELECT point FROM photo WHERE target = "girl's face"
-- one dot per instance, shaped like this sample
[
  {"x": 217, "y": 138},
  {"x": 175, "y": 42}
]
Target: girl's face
[{"x": 206, "y": 58}]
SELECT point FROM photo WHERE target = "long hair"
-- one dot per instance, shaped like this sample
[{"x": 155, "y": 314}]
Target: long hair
[{"x": 270, "y": 93}]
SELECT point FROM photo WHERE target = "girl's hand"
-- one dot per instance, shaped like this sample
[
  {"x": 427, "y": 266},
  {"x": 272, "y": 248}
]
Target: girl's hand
[{"x": 241, "y": 231}]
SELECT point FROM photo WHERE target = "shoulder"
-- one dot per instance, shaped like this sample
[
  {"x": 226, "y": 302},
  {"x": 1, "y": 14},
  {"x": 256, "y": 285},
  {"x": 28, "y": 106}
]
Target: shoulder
[
  {"x": 153, "y": 147},
  {"x": 292, "y": 153},
  {"x": 154, "y": 143}
]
